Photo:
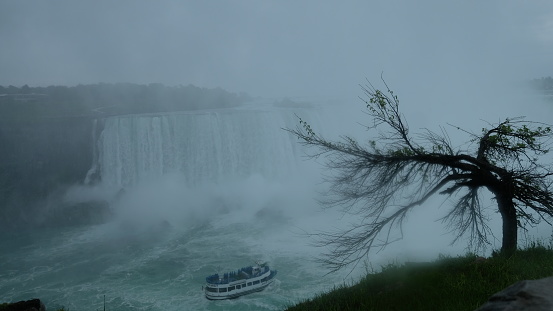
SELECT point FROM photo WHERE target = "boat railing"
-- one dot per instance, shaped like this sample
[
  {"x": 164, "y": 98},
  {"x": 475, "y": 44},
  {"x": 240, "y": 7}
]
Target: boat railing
[{"x": 240, "y": 274}]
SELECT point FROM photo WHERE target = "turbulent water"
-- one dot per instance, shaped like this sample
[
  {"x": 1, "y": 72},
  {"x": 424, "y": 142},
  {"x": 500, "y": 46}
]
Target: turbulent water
[
  {"x": 205, "y": 146},
  {"x": 204, "y": 192},
  {"x": 157, "y": 259},
  {"x": 193, "y": 194}
]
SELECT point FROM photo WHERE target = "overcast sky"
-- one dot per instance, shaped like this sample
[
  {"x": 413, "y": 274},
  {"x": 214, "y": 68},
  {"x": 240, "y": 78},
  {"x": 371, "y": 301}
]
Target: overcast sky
[{"x": 276, "y": 48}]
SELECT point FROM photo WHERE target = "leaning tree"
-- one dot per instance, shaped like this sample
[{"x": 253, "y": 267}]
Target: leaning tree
[{"x": 385, "y": 179}]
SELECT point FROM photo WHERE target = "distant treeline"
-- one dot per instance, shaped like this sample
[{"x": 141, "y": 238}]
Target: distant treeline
[
  {"x": 46, "y": 134},
  {"x": 543, "y": 84},
  {"x": 111, "y": 99}
]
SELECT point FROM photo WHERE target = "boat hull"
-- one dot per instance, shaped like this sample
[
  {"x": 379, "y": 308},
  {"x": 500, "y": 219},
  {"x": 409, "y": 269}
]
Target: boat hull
[{"x": 239, "y": 288}]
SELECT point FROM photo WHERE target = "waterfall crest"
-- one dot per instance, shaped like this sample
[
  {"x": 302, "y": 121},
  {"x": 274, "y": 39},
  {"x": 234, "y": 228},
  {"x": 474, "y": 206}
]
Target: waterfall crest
[{"x": 204, "y": 146}]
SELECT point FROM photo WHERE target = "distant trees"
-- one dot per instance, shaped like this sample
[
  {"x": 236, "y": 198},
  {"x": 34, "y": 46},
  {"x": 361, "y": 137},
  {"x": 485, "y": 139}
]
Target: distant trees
[
  {"x": 543, "y": 84},
  {"x": 45, "y": 132},
  {"x": 110, "y": 99},
  {"x": 386, "y": 179}
]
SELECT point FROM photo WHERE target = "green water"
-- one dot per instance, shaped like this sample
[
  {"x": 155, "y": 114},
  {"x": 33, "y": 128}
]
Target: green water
[{"x": 159, "y": 261}]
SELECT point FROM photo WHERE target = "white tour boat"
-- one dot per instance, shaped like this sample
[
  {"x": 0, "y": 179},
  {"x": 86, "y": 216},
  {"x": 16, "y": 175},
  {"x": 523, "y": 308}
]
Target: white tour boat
[{"x": 237, "y": 283}]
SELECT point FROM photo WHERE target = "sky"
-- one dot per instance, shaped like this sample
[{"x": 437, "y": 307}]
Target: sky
[{"x": 312, "y": 48}]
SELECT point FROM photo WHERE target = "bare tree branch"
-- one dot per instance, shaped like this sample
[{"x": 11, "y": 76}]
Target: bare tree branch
[{"x": 383, "y": 181}]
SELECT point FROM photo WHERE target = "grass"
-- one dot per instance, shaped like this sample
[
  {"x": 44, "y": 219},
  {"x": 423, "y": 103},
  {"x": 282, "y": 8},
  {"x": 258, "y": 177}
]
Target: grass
[{"x": 462, "y": 283}]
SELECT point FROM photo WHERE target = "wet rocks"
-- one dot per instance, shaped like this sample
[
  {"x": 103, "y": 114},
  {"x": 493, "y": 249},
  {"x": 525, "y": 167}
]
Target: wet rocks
[
  {"x": 29, "y": 305},
  {"x": 530, "y": 295}
]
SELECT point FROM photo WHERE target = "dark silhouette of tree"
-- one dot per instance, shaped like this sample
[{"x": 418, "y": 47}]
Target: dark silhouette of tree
[{"x": 383, "y": 181}]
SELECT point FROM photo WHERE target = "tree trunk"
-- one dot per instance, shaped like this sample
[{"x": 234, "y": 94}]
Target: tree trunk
[{"x": 510, "y": 224}]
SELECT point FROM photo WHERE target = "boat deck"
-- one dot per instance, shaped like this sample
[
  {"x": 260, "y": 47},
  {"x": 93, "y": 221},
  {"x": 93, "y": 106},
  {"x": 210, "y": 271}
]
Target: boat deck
[{"x": 240, "y": 274}]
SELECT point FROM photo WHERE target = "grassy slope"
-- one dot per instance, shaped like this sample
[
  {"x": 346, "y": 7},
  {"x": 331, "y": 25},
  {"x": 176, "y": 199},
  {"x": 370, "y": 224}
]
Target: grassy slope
[{"x": 463, "y": 283}]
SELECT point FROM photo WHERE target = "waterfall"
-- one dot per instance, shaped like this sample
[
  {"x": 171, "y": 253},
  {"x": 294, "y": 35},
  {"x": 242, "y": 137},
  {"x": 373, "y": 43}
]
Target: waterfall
[
  {"x": 202, "y": 146},
  {"x": 92, "y": 174}
]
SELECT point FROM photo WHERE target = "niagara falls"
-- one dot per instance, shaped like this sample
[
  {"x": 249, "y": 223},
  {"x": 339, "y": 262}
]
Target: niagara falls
[{"x": 274, "y": 155}]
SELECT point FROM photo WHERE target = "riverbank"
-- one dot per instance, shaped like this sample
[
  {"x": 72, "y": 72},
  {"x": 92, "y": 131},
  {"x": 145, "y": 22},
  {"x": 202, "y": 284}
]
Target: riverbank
[{"x": 463, "y": 283}]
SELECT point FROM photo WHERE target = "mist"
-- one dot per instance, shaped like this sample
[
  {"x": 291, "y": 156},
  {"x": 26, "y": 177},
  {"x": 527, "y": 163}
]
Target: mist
[
  {"x": 275, "y": 49},
  {"x": 200, "y": 184},
  {"x": 444, "y": 60}
]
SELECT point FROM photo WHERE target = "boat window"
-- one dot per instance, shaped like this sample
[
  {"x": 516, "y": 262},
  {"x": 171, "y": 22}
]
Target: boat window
[
  {"x": 211, "y": 289},
  {"x": 249, "y": 283},
  {"x": 264, "y": 279},
  {"x": 222, "y": 290},
  {"x": 230, "y": 288},
  {"x": 238, "y": 287},
  {"x": 255, "y": 282}
]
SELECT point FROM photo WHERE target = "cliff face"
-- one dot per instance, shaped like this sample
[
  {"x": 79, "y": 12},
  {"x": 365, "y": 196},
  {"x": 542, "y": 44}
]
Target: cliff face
[
  {"x": 38, "y": 156},
  {"x": 46, "y": 134}
]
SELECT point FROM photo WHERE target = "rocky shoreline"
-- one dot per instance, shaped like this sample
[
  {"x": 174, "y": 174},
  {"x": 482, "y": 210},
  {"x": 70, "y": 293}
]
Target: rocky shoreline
[{"x": 28, "y": 305}]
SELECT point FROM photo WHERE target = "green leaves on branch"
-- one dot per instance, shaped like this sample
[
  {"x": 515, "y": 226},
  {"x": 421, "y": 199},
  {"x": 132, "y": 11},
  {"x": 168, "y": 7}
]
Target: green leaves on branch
[
  {"x": 513, "y": 138},
  {"x": 395, "y": 173},
  {"x": 308, "y": 130},
  {"x": 382, "y": 106}
]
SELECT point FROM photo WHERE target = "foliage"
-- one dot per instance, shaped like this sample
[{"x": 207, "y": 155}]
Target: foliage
[
  {"x": 463, "y": 283},
  {"x": 384, "y": 181}
]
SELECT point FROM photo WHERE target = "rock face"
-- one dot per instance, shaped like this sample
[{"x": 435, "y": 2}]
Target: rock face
[
  {"x": 29, "y": 305},
  {"x": 530, "y": 295}
]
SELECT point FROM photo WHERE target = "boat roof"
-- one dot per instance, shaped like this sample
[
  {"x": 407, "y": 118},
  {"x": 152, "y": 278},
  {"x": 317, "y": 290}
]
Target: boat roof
[{"x": 240, "y": 274}]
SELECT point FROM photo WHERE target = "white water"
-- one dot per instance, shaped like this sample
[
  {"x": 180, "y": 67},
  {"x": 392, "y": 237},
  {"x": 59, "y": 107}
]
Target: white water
[
  {"x": 157, "y": 252},
  {"x": 209, "y": 146},
  {"x": 204, "y": 192}
]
